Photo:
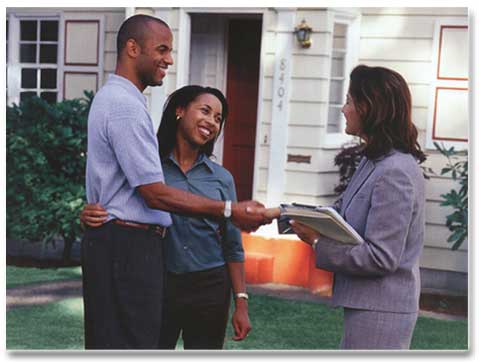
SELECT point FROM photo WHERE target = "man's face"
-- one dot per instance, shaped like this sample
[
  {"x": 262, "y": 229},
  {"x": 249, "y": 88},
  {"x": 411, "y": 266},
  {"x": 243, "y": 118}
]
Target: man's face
[{"x": 155, "y": 55}]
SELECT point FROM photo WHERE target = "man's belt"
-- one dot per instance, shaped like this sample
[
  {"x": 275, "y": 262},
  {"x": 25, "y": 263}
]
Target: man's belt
[{"x": 157, "y": 229}]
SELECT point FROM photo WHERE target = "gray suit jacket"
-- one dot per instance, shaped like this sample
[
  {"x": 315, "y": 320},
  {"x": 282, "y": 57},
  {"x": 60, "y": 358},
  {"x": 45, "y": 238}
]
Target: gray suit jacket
[{"x": 384, "y": 203}]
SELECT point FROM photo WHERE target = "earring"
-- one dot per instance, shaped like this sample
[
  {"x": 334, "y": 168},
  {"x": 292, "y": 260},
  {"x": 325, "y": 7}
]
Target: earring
[{"x": 178, "y": 118}]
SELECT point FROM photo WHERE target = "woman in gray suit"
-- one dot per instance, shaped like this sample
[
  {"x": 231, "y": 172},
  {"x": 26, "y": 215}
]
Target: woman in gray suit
[{"x": 377, "y": 282}]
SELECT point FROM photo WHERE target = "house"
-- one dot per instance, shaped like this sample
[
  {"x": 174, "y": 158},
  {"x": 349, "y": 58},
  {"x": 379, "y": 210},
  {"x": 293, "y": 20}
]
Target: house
[{"x": 285, "y": 125}]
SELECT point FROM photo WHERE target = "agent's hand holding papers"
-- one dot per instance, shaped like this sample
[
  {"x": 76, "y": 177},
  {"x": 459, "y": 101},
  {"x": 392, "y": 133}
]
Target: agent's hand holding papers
[{"x": 305, "y": 233}]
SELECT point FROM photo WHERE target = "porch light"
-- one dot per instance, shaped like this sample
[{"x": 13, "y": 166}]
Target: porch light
[{"x": 303, "y": 34}]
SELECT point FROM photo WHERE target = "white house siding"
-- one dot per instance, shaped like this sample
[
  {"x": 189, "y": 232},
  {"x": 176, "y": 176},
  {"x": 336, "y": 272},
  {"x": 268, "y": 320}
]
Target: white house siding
[
  {"x": 113, "y": 21},
  {"x": 308, "y": 88},
  {"x": 402, "y": 39},
  {"x": 148, "y": 90},
  {"x": 156, "y": 96}
]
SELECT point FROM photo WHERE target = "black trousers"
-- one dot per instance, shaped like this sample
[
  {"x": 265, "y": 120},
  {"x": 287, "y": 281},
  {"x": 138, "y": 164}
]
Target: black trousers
[
  {"x": 196, "y": 306},
  {"x": 123, "y": 280}
]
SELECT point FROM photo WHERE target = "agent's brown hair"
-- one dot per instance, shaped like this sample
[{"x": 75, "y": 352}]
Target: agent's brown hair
[{"x": 384, "y": 104}]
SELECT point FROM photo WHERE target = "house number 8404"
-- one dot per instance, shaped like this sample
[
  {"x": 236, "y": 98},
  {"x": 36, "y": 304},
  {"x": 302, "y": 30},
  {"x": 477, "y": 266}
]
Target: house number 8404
[{"x": 280, "y": 92}]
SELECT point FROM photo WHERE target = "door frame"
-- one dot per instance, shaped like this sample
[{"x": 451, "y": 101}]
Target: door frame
[{"x": 182, "y": 75}]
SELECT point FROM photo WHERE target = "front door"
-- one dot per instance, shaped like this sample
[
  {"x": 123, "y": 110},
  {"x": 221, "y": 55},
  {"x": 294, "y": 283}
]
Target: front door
[{"x": 244, "y": 42}]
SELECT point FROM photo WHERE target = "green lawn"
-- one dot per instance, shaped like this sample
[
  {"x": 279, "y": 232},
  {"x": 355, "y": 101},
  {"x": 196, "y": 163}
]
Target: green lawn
[
  {"x": 23, "y": 276},
  {"x": 56, "y": 325},
  {"x": 277, "y": 324}
]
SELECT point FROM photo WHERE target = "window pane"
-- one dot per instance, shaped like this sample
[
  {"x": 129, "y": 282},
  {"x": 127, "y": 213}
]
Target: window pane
[
  {"x": 48, "y": 53},
  {"x": 336, "y": 95},
  {"x": 28, "y": 53},
  {"x": 339, "y": 36},
  {"x": 29, "y": 78},
  {"x": 49, "y": 30},
  {"x": 48, "y": 79},
  {"x": 28, "y": 30},
  {"x": 334, "y": 119},
  {"x": 25, "y": 95},
  {"x": 337, "y": 65},
  {"x": 50, "y": 97},
  {"x": 6, "y": 43}
]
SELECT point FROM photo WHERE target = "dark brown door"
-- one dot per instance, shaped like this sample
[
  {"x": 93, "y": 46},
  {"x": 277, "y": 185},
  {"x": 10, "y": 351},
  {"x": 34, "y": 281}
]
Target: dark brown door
[{"x": 244, "y": 41}]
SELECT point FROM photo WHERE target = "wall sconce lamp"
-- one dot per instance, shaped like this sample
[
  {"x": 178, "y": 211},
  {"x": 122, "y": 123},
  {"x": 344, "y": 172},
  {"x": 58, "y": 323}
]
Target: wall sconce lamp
[{"x": 303, "y": 33}]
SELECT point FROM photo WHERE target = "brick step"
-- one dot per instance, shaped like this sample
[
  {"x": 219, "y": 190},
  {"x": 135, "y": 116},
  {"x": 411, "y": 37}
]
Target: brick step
[
  {"x": 284, "y": 261},
  {"x": 258, "y": 268}
]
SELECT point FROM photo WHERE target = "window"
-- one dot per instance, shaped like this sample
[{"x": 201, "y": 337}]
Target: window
[
  {"x": 38, "y": 58},
  {"x": 337, "y": 82},
  {"x": 6, "y": 55},
  {"x": 448, "y": 107},
  {"x": 53, "y": 56},
  {"x": 344, "y": 55}
]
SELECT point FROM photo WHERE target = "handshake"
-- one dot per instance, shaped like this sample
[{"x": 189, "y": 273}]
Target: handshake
[{"x": 250, "y": 215}]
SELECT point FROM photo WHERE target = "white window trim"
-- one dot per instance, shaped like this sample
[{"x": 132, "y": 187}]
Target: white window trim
[
  {"x": 14, "y": 65},
  {"x": 13, "y": 61},
  {"x": 458, "y": 145},
  {"x": 351, "y": 18},
  {"x": 101, "y": 49}
]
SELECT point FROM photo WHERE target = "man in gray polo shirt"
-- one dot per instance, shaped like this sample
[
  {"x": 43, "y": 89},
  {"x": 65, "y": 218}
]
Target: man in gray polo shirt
[{"x": 122, "y": 260}]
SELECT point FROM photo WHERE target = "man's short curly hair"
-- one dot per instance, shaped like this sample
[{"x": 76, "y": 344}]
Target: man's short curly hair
[{"x": 135, "y": 27}]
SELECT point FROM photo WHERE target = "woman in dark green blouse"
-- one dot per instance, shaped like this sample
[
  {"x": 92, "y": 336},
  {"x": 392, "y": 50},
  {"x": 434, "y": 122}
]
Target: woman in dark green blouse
[{"x": 205, "y": 257}]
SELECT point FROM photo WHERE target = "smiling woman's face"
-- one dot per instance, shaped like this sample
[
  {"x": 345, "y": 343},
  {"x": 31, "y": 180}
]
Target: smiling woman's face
[
  {"x": 353, "y": 122},
  {"x": 200, "y": 120}
]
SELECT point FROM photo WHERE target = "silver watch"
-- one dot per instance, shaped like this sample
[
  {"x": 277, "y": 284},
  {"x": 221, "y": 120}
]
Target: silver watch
[
  {"x": 241, "y": 295},
  {"x": 227, "y": 211}
]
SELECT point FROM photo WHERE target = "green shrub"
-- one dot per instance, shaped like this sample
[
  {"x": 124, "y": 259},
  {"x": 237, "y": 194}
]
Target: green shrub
[
  {"x": 46, "y": 158},
  {"x": 457, "y": 221}
]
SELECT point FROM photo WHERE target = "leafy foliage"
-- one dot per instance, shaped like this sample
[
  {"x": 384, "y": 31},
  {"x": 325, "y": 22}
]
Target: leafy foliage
[
  {"x": 46, "y": 157},
  {"x": 347, "y": 160},
  {"x": 457, "y": 167}
]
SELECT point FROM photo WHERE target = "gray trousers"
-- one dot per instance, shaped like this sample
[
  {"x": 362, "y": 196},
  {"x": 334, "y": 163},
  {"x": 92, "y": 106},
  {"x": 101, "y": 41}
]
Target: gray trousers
[{"x": 366, "y": 329}]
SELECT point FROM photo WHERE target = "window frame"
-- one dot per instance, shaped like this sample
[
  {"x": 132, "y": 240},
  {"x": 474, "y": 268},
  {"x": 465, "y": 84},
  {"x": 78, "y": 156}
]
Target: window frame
[
  {"x": 14, "y": 65},
  {"x": 352, "y": 21},
  {"x": 443, "y": 83},
  {"x": 13, "y": 62}
]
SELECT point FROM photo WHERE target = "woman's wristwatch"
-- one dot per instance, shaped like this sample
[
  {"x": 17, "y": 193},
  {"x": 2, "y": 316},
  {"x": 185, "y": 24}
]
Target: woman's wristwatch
[{"x": 227, "y": 211}]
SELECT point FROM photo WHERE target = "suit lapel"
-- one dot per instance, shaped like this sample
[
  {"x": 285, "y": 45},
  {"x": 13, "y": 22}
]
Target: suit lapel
[{"x": 358, "y": 179}]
